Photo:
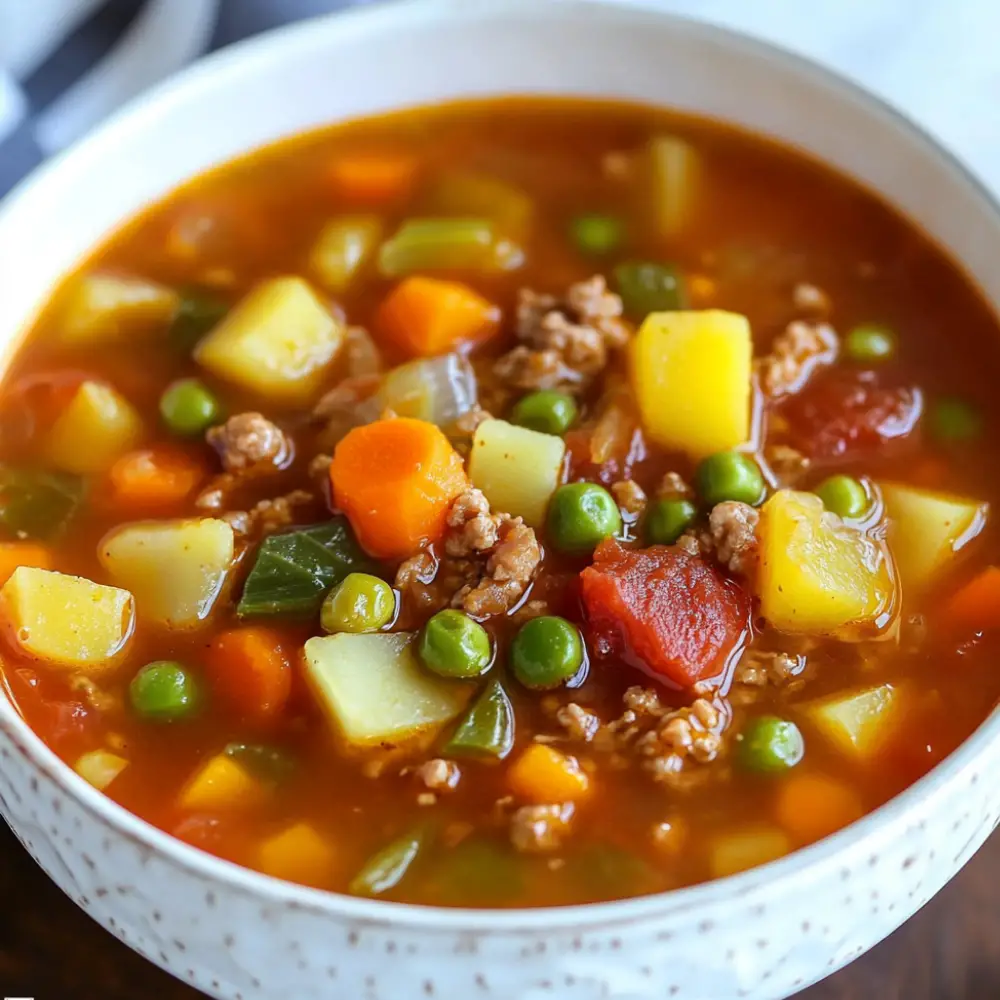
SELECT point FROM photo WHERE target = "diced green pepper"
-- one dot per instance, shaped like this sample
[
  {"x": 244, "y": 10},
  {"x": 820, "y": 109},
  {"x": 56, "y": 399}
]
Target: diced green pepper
[
  {"x": 386, "y": 869},
  {"x": 480, "y": 872},
  {"x": 269, "y": 763},
  {"x": 597, "y": 235},
  {"x": 197, "y": 313},
  {"x": 488, "y": 728},
  {"x": 422, "y": 245},
  {"x": 37, "y": 504},
  {"x": 647, "y": 288}
]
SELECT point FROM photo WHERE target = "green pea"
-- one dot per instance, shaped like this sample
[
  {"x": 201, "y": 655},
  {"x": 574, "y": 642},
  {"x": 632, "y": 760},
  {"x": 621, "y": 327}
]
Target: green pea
[
  {"x": 188, "y": 407},
  {"x": 164, "y": 691},
  {"x": 667, "y": 520},
  {"x": 646, "y": 288},
  {"x": 597, "y": 234},
  {"x": 769, "y": 745},
  {"x": 952, "y": 420},
  {"x": 729, "y": 475},
  {"x": 453, "y": 645},
  {"x": 547, "y": 411},
  {"x": 870, "y": 342},
  {"x": 581, "y": 515},
  {"x": 359, "y": 603},
  {"x": 546, "y": 652},
  {"x": 844, "y": 496}
]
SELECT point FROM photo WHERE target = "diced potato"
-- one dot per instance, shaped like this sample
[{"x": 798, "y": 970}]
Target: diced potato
[
  {"x": 66, "y": 621},
  {"x": 96, "y": 428},
  {"x": 98, "y": 308},
  {"x": 690, "y": 372},
  {"x": 856, "y": 723},
  {"x": 675, "y": 183},
  {"x": 175, "y": 569},
  {"x": 518, "y": 469},
  {"x": 298, "y": 854},
  {"x": 747, "y": 848},
  {"x": 221, "y": 784},
  {"x": 375, "y": 692},
  {"x": 278, "y": 342},
  {"x": 927, "y": 530},
  {"x": 100, "y": 767},
  {"x": 818, "y": 574},
  {"x": 342, "y": 249}
]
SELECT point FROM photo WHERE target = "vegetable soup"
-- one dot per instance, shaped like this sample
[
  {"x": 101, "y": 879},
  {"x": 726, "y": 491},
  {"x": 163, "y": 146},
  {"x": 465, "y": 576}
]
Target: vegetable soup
[{"x": 515, "y": 503}]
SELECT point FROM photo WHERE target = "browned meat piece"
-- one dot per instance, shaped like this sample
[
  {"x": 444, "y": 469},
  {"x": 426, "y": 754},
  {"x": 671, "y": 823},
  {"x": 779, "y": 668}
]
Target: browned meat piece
[
  {"x": 362, "y": 354},
  {"x": 536, "y": 829},
  {"x": 812, "y": 299},
  {"x": 565, "y": 343},
  {"x": 795, "y": 354},
  {"x": 472, "y": 528},
  {"x": 733, "y": 529},
  {"x": 249, "y": 442},
  {"x": 760, "y": 667},
  {"x": 579, "y": 723},
  {"x": 673, "y": 486},
  {"x": 787, "y": 463},
  {"x": 509, "y": 570},
  {"x": 319, "y": 470},
  {"x": 439, "y": 775},
  {"x": 629, "y": 496},
  {"x": 269, "y": 516}
]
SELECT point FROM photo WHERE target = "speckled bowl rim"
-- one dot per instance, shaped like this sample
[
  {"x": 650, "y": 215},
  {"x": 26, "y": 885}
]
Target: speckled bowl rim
[{"x": 772, "y": 879}]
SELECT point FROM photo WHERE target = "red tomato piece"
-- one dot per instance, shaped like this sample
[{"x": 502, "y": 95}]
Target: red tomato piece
[
  {"x": 664, "y": 610},
  {"x": 842, "y": 413}
]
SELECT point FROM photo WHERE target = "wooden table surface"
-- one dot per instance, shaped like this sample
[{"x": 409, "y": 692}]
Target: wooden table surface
[{"x": 50, "y": 950}]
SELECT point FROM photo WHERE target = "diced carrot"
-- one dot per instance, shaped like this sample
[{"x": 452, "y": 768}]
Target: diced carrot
[
  {"x": 298, "y": 854},
  {"x": 250, "y": 672},
  {"x": 395, "y": 480},
  {"x": 812, "y": 806},
  {"x": 14, "y": 554},
  {"x": 427, "y": 316},
  {"x": 543, "y": 775},
  {"x": 976, "y": 606},
  {"x": 153, "y": 476},
  {"x": 373, "y": 178}
]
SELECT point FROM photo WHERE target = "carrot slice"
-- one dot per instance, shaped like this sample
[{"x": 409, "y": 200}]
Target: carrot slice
[
  {"x": 154, "y": 476},
  {"x": 542, "y": 774},
  {"x": 15, "y": 554},
  {"x": 812, "y": 806},
  {"x": 373, "y": 178},
  {"x": 427, "y": 316},
  {"x": 250, "y": 672},
  {"x": 395, "y": 480},
  {"x": 976, "y": 606}
]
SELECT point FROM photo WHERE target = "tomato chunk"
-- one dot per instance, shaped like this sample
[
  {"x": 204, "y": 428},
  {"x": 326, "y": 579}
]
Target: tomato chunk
[
  {"x": 664, "y": 610},
  {"x": 841, "y": 414}
]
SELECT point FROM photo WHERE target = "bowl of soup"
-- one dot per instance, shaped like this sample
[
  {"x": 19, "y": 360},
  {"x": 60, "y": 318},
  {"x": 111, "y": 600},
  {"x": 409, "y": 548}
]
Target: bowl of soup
[{"x": 497, "y": 499}]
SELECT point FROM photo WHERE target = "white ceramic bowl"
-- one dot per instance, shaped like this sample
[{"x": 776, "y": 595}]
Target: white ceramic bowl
[{"x": 241, "y": 936}]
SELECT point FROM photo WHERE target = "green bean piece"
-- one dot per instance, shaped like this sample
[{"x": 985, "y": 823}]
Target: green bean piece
[
  {"x": 546, "y": 653},
  {"x": 844, "y": 496},
  {"x": 164, "y": 691},
  {"x": 869, "y": 343},
  {"x": 422, "y": 245},
  {"x": 189, "y": 407},
  {"x": 488, "y": 728},
  {"x": 451, "y": 644},
  {"x": 769, "y": 745},
  {"x": 386, "y": 869},
  {"x": 342, "y": 249},
  {"x": 953, "y": 420},
  {"x": 597, "y": 235},
  {"x": 37, "y": 504},
  {"x": 359, "y": 603},
  {"x": 547, "y": 411},
  {"x": 647, "y": 288},
  {"x": 269, "y": 763},
  {"x": 729, "y": 475},
  {"x": 197, "y": 313},
  {"x": 667, "y": 520},
  {"x": 580, "y": 516}
]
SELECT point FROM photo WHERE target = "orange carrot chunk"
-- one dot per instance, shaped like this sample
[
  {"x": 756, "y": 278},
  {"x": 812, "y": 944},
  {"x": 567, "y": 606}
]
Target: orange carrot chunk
[
  {"x": 543, "y": 775},
  {"x": 250, "y": 672},
  {"x": 373, "y": 178},
  {"x": 812, "y": 806},
  {"x": 395, "y": 480},
  {"x": 976, "y": 606},
  {"x": 160, "y": 475},
  {"x": 428, "y": 316},
  {"x": 14, "y": 554}
]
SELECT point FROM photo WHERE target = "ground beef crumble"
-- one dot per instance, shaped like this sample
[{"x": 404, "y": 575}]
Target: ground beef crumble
[
  {"x": 673, "y": 486},
  {"x": 249, "y": 442},
  {"x": 580, "y": 723},
  {"x": 536, "y": 829},
  {"x": 564, "y": 343},
  {"x": 439, "y": 775},
  {"x": 629, "y": 496},
  {"x": 732, "y": 527},
  {"x": 509, "y": 570},
  {"x": 796, "y": 353},
  {"x": 759, "y": 667},
  {"x": 269, "y": 516}
]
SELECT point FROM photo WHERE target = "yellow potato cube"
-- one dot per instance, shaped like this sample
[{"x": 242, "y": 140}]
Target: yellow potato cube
[
  {"x": 99, "y": 308},
  {"x": 100, "y": 767},
  {"x": 857, "y": 723},
  {"x": 690, "y": 372},
  {"x": 817, "y": 574},
  {"x": 518, "y": 469},
  {"x": 175, "y": 569},
  {"x": 66, "y": 621},
  {"x": 221, "y": 783},
  {"x": 278, "y": 342},
  {"x": 96, "y": 428}
]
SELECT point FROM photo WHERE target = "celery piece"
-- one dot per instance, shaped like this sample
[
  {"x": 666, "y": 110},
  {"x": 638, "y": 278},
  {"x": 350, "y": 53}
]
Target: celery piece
[
  {"x": 421, "y": 245},
  {"x": 471, "y": 193},
  {"x": 342, "y": 249},
  {"x": 674, "y": 176},
  {"x": 386, "y": 869}
]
